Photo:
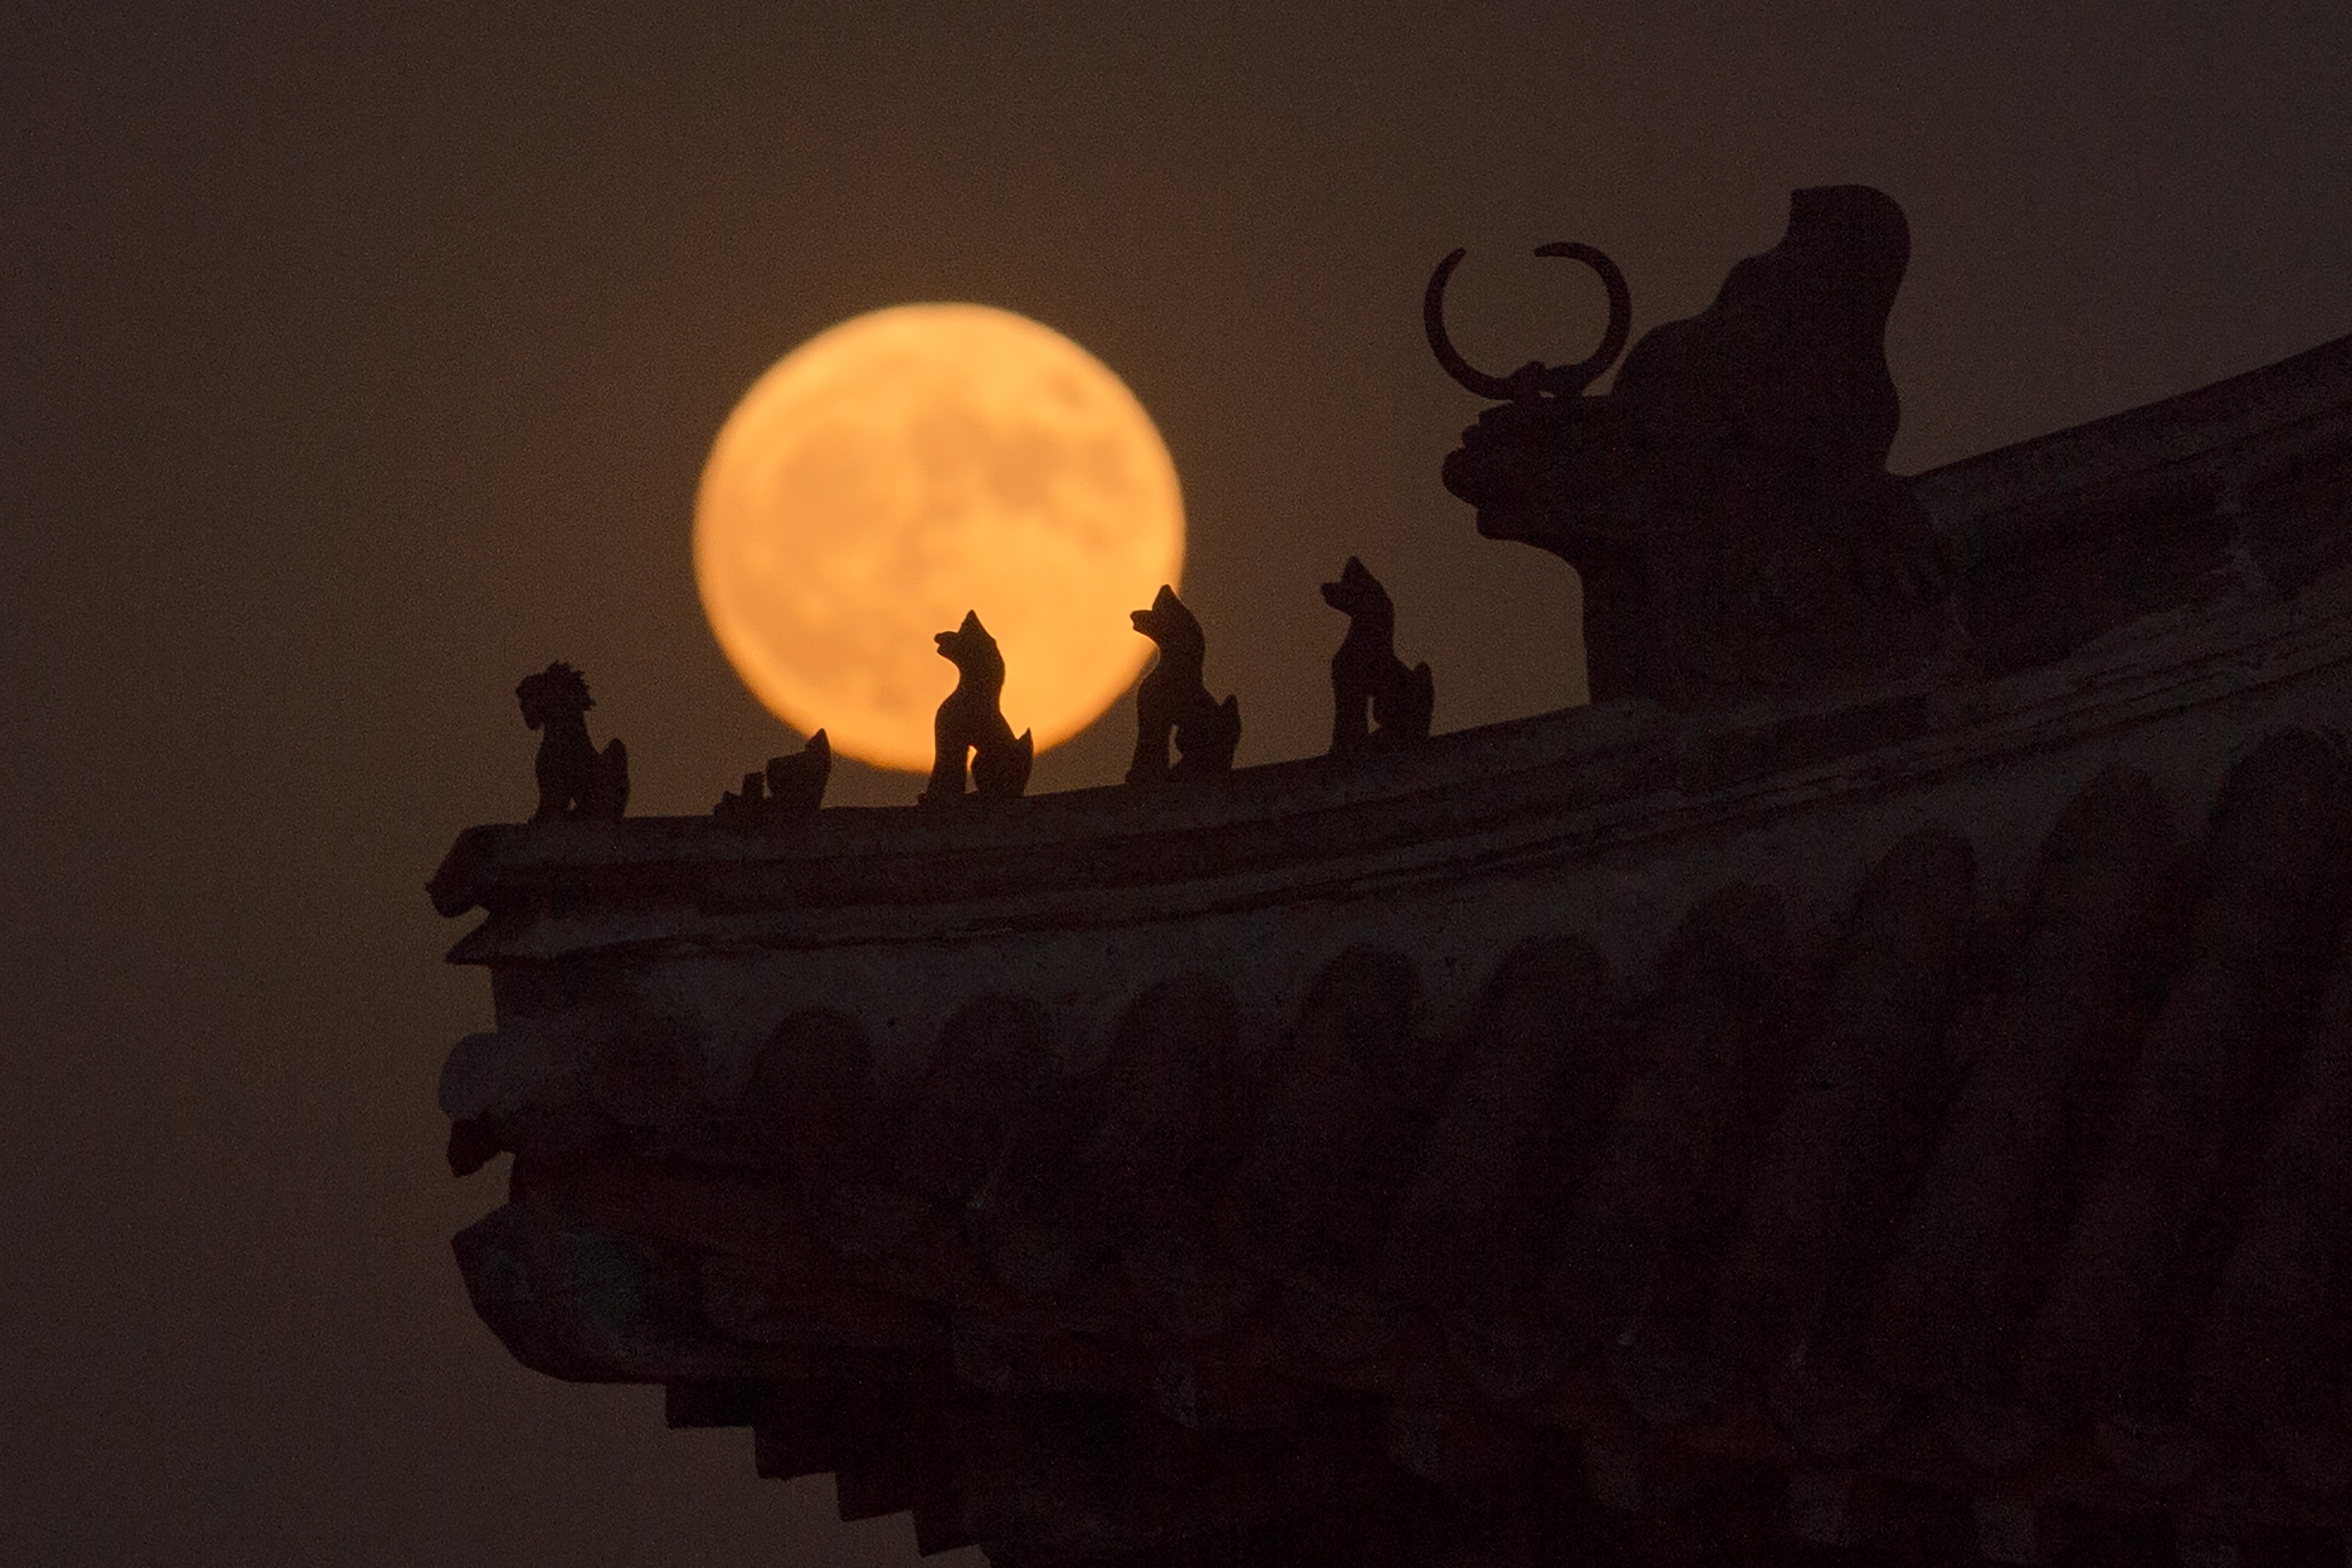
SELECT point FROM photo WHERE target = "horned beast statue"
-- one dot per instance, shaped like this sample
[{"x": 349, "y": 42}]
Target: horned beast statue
[{"x": 1726, "y": 503}]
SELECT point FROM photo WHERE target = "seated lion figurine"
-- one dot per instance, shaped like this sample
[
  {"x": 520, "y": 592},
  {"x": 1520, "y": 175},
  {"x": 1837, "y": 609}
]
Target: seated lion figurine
[{"x": 575, "y": 780}]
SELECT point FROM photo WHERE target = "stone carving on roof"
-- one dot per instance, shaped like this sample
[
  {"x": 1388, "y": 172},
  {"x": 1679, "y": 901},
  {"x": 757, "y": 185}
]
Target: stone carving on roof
[
  {"x": 789, "y": 790},
  {"x": 970, "y": 728},
  {"x": 1369, "y": 682},
  {"x": 1726, "y": 502},
  {"x": 575, "y": 780},
  {"x": 1173, "y": 702}
]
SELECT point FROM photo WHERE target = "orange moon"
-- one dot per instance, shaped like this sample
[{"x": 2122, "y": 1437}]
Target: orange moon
[{"x": 909, "y": 464}]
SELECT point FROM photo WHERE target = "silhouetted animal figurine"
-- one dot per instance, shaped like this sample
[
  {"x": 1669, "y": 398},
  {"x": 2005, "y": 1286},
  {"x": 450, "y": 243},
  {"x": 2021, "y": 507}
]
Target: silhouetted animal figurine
[
  {"x": 575, "y": 780},
  {"x": 791, "y": 787},
  {"x": 969, "y": 724},
  {"x": 1366, "y": 672},
  {"x": 1726, "y": 503},
  {"x": 1174, "y": 697}
]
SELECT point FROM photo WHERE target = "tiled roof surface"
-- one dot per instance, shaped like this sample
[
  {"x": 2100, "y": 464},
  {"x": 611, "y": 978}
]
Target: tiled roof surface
[
  {"x": 2012, "y": 1230},
  {"x": 1982, "y": 1214}
]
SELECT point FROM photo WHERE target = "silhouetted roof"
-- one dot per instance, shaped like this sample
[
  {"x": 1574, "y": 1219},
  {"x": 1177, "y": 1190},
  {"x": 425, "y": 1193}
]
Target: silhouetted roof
[{"x": 1995, "y": 1204}]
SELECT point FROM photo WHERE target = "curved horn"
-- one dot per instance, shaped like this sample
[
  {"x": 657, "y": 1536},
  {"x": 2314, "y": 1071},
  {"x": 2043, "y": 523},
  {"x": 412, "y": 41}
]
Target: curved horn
[
  {"x": 1569, "y": 380},
  {"x": 1432, "y": 322}
]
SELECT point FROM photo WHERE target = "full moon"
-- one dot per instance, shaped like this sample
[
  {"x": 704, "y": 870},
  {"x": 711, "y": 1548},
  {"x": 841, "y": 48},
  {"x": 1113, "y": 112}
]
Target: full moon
[{"x": 906, "y": 467}]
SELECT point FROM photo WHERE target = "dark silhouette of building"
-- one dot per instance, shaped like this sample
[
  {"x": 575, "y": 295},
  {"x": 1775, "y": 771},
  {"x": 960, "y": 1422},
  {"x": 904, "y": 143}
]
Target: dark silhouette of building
[{"x": 1897, "y": 1114}]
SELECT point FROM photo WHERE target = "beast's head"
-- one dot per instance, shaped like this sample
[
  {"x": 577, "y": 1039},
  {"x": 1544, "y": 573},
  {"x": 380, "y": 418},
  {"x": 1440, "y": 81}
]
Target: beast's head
[
  {"x": 974, "y": 652},
  {"x": 1542, "y": 465},
  {"x": 1782, "y": 378},
  {"x": 557, "y": 692},
  {"x": 1172, "y": 626},
  {"x": 1358, "y": 595}
]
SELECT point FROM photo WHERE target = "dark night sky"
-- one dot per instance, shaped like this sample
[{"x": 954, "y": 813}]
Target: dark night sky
[{"x": 352, "y": 365}]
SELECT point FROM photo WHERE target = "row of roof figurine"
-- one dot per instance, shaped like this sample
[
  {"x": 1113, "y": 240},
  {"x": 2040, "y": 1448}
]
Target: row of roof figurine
[{"x": 1377, "y": 701}]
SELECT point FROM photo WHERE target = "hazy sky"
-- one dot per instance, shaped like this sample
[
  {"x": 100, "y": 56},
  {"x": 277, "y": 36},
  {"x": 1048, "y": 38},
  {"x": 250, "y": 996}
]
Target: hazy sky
[{"x": 352, "y": 365}]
